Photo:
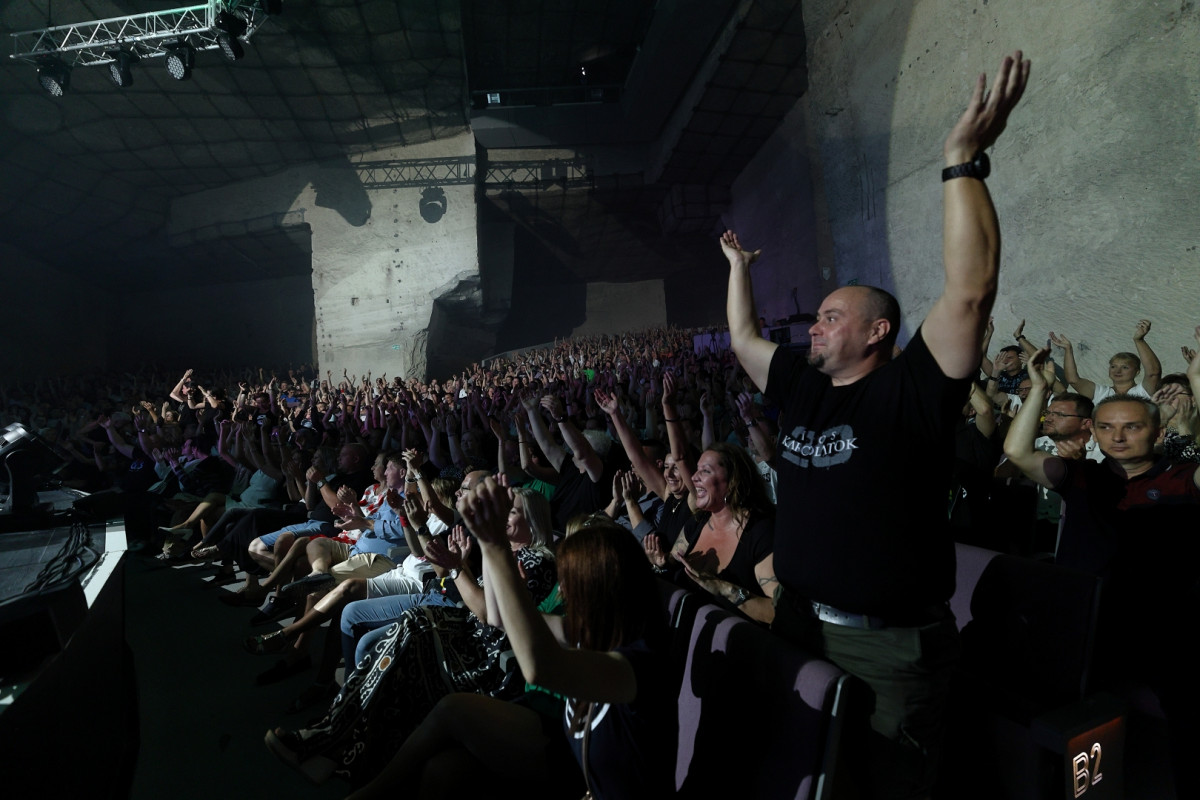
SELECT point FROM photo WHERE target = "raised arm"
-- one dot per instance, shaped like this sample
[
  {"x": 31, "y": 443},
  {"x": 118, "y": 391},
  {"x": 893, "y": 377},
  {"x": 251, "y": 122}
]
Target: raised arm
[
  {"x": 550, "y": 449},
  {"x": 645, "y": 468},
  {"x": 177, "y": 394},
  {"x": 1070, "y": 371},
  {"x": 953, "y": 330},
  {"x": 753, "y": 351},
  {"x": 1151, "y": 366},
  {"x": 581, "y": 674},
  {"x": 1018, "y": 445}
]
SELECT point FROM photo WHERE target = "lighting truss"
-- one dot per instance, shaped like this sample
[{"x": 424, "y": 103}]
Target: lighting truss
[{"x": 86, "y": 44}]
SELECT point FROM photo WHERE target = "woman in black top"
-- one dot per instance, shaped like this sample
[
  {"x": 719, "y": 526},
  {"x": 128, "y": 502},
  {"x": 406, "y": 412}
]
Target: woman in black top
[{"x": 726, "y": 549}]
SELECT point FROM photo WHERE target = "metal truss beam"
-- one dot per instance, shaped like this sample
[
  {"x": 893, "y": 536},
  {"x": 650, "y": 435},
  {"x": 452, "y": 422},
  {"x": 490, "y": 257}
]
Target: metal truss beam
[
  {"x": 530, "y": 174},
  {"x": 86, "y": 44},
  {"x": 417, "y": 172}
]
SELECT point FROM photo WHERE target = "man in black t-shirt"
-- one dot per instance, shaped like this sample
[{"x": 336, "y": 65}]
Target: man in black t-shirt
[{"x": 863, "y": 552}]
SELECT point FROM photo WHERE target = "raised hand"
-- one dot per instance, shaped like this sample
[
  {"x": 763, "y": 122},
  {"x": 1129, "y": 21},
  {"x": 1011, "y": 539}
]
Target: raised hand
[
  {"x": 1037, "y": 375},
  {"x": 441, "y": 555},
  {"x": 631, "y": 486},
  {"x": 1070, "y": 450},
  {"x": 745, "y": 407},
  {"x": 415, "y": 511},
  {"x": 1019, "y": 331},
  {"x": 1141, "y": 329},
  {"x": 554, "y": 404},
  {"x": 485, "y": 510},
  {"x": 987, "y": 113},
  {"x": 668, "y": 389},
  {"x": 734, "y": 252},
  {"x": 1060, "y": 341},
  {"x": 607, "y": 402},
  {"x": 654, "y": 551},
  {"x": 459, "y": 542}
]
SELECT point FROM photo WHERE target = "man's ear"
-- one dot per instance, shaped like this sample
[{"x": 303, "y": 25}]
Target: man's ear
[
  {"x": 1086, "y": 424},
  {"x": 880, "y": 329}
]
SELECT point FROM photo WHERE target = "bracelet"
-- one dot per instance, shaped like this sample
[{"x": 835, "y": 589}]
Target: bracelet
[
  {"x": 670, "y": 420},
  {"x": 559, "y": 420},
  {"x": 522, "y": 441}
]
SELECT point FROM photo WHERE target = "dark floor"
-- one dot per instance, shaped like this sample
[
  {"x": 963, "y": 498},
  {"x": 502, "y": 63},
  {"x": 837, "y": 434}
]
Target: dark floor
[{"x": 202, "y": 716}]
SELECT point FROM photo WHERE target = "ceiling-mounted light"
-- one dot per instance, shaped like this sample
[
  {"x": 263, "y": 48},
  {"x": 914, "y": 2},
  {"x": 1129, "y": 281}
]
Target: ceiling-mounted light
[
  {"x": 181, "y": 56},
  {"x": 54, "y": 75},
  {"x": 229, "y": 28},
  {"x": 118, "y": 68}
]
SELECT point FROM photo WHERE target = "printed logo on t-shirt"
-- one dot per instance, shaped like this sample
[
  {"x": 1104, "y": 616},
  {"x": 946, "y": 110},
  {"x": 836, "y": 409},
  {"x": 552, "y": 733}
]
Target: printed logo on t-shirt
[
  {"x": 569, "y": 712},
  {"x": 804, "y": 448}
]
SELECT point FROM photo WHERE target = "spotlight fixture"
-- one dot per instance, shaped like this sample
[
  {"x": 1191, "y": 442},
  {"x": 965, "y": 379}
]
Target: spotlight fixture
[
  {"x": 181, "y": 56},
  {"x": 118, "y": 68},
  {"x": 55, "y": 76},
  {"x": 229, "y": 28}
]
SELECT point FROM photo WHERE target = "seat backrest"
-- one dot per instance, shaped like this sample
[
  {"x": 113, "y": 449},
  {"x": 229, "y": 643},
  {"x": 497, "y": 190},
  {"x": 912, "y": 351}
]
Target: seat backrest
[
  {"x": 970, "y": 562},
  {"x": 758, "y": 717},
  {"x": 1031, "y": 628}
]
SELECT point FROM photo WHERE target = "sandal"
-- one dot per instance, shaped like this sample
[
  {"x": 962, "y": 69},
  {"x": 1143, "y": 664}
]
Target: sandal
[
  {"x": 204, "y": 553},
  {"x": 266, "y": 644}
]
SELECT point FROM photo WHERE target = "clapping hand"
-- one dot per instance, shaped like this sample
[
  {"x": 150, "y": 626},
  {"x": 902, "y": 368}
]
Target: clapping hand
[
  {"x": 439, "y": 554},
  {"x": 485, "y": 510}
]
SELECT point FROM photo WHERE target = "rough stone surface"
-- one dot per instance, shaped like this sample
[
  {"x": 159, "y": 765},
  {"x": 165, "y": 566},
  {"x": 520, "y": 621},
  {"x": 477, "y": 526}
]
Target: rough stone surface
[
  {"x": 1094, "y": 180},
  {"x": 378, "y": 266}
]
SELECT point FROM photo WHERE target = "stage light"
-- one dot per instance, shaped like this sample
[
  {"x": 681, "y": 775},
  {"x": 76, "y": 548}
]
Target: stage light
[
  {"x": 229, "y": 28},
  {"x": 118, "y": 68},
  {"x": 55, "y": 76},
  {"x": 180, "y": 58}
]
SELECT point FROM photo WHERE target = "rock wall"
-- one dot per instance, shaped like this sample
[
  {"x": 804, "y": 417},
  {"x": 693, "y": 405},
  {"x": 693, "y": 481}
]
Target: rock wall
[{"x": 1094, "y": 180}]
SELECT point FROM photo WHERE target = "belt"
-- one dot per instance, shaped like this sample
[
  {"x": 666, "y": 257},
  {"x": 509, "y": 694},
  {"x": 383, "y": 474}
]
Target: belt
[{"x": 848, "y": 619}]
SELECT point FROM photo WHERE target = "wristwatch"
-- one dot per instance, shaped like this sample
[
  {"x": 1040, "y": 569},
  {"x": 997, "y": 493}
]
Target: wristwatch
[
  {"x": 453, "y": 574},
  {"x": 740, "y": 596},
  {"x": 978, "y": 167}
]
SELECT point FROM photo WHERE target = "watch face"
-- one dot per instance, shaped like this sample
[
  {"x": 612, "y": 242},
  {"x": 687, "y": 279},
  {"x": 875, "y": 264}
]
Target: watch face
[{"x": 982, "y": 165}]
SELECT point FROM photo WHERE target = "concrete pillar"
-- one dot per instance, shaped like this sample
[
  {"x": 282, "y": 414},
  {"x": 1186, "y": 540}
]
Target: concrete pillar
[{"x": 392, "y": 233}]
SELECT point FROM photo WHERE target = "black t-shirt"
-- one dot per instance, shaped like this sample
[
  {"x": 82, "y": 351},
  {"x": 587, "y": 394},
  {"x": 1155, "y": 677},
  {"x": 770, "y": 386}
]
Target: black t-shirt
[
  {"x": 754, "y": 545},
  {"x": 864, "y": 478},
  {"x": 631, "y": 749},
  {"x": 358, "y": 481},
  {"x": 575, "y": 493}
]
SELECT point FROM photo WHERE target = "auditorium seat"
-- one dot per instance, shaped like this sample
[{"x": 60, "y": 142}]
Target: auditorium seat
[{"x": 758, "y": 717}]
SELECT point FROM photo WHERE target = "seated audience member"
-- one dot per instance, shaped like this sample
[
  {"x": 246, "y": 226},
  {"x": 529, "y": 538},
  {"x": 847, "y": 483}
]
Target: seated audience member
[
  {"x": 353, "y": 470},
  {"x": 657, "y": 471},
  {"x": 608, "y": 657},
  {"x": 1176, "y": 400},
  {"x": 427, "y": 653},
  {"x": 329, "y": 560},
  {"x": 726, "y": 549},
  {"x": 584, "y": 482},
  {"x": 1123, "y": 368},
  {"x": 1131, "y": 520}
]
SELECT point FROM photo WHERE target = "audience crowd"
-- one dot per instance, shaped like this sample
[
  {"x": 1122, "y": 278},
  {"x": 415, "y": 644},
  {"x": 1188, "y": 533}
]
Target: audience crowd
[
  {"x": 343, "y": 499},
  {"x": 525, "y": 506}
]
